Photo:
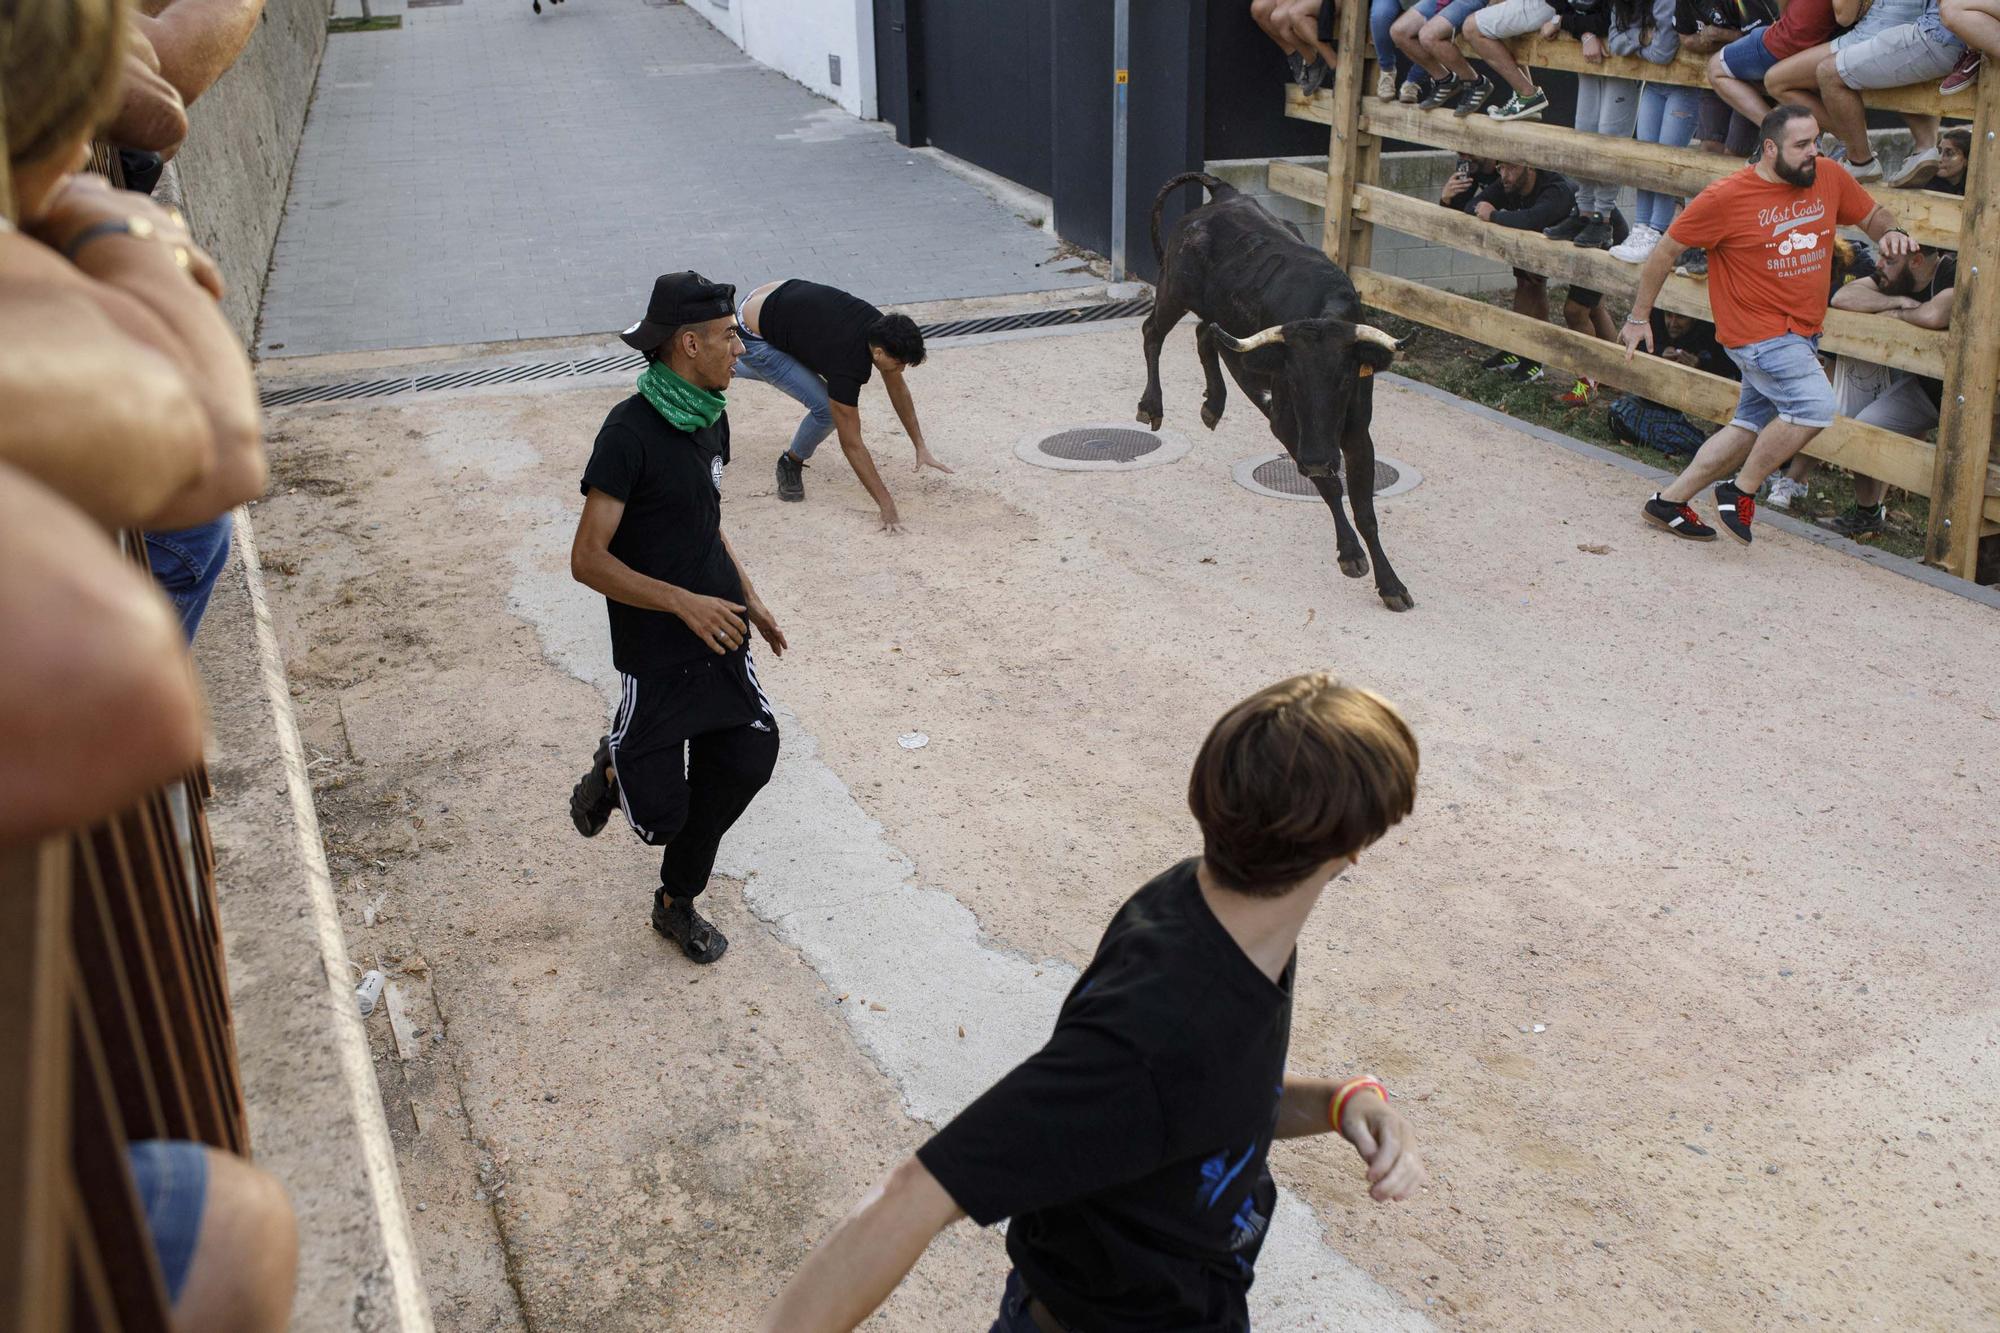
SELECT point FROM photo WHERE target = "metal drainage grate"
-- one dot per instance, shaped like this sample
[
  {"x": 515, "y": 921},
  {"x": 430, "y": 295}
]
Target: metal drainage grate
[
  {"x": 1101, "y": 446},
  {"x": 466, "y": 379},
  {"x": 1278, "y": 477}
]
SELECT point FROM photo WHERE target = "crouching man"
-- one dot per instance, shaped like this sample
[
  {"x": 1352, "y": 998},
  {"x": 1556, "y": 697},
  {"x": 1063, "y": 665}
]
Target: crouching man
[{"x": 1130, "y": 1150}]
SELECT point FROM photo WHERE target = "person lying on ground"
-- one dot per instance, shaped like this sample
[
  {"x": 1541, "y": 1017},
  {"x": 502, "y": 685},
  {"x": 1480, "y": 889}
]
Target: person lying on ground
[
  {"x": 1684, "y": 341},
  {"x": 818, "y": 344},
  {"x": 1424, "y": 32},
  {"x": 1737, "y": 72},
  {"x": 1129, "y": 1152},
  {"x": 1917, "y": 288},
  {"x": 223, "y": 1234},
  {"x": 1977, "y": 24},
  {"x": 1768, "y": 230},
  {"x": 1916, "y": 51},
  {"x": 694, "y": 738}
]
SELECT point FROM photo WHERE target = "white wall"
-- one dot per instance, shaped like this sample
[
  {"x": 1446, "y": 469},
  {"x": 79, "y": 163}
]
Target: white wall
[{"x": 795, "y": 37}]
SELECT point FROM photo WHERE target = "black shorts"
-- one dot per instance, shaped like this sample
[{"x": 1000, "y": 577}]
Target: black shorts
[{"x": 659, "y": 713}]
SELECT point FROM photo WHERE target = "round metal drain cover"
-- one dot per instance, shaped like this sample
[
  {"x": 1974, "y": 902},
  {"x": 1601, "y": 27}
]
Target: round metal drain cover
[
  {"x": 1279, "y": 478},
  {"x": 1101, "y": 446}
]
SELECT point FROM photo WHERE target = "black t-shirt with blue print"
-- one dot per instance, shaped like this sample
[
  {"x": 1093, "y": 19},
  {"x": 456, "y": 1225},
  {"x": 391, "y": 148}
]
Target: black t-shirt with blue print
[
  {"x": 671, "y": 483},
  {"x": 1129, "y": 1151}
]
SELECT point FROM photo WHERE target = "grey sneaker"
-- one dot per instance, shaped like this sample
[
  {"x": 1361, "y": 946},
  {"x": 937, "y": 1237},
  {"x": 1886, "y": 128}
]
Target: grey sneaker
[
  {"x": 791, "y": 477},
  {"x": 1919, "y": 169},
  {"x": 1858, "y": 521},
  {"x": 1475, "y": 98},
  {"x": 1521, "y": 106},
  {"x": 1693, "y": 263}
]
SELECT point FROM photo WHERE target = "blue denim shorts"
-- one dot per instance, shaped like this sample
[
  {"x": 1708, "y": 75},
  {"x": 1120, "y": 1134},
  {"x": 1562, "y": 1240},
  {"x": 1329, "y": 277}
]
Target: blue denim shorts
[
  {"x": 1456, "y": 11},
  {"x": 1782, "y": 378},
  {"x": 173, "y": 1190},
  {"x": 1747, "y": 58}
]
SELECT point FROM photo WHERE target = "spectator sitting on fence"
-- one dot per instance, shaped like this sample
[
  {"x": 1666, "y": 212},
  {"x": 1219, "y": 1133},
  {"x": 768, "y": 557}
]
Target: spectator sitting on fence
[
  {"x": 1889, "y": 39},
  {"x": 1977, "y": 23},
  {"x": 1294, "y": 26},
  {"x": 1917, "y": 289},
  {"x": 1488, "y": 33},
  {"x": 1768, "y": 291},
  {"x": 1685, "y": 341},
  {"x": 1425, "y": 33},
  {"x": 1737, "y": 72}
]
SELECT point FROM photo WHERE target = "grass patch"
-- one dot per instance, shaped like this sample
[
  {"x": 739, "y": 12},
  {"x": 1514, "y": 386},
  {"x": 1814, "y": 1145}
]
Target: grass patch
[
  {"x": 380, "y": 23},
  {"x": 1451, "y": 363}
]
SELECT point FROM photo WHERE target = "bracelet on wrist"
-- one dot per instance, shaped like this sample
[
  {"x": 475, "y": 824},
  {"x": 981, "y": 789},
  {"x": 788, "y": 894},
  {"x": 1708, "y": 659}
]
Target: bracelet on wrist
[
  {"x": 135, "y": 227},
  {"x": 1638, "y": 319},
  {"x": 1347, "y": 1090}
]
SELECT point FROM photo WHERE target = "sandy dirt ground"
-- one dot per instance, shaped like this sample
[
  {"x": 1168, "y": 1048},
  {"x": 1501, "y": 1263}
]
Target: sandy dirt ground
[{"x": 1683, "y": 967}]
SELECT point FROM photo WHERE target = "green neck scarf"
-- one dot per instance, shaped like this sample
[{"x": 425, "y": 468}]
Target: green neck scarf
[{"x": 685, "y": 406}]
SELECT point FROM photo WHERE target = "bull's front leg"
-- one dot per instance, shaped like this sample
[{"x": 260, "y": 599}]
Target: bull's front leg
[
  {"x": 1167, "y": 312},
  {"x": 1215, "y": 394},
  {"x": 1357, "y": 451},
  {"x": 1346, "y": 547}
]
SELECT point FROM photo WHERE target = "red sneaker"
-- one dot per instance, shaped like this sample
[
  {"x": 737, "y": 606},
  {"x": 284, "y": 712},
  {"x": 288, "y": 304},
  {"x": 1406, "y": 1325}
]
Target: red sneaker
[{"x": 1963, "y": 75}]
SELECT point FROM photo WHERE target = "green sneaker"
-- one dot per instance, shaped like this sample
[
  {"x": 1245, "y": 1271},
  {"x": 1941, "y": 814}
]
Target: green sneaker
[{"x": 1520, "y": 106}]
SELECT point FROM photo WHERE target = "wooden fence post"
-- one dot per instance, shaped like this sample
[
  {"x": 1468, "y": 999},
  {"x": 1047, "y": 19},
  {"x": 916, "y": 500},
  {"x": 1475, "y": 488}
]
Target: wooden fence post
[
  {"x": 1965, "y": 427},
  {"x": 1343, "y": 152}
]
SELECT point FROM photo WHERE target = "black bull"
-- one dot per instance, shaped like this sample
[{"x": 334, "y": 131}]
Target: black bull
[{"x": 1284, "y": 319}]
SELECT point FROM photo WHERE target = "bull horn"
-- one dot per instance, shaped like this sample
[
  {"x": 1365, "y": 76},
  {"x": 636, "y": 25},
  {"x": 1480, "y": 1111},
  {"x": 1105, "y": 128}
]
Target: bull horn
[
  {"x": 1369, "y": 333},
  {"x": 1274, "y": 334}
]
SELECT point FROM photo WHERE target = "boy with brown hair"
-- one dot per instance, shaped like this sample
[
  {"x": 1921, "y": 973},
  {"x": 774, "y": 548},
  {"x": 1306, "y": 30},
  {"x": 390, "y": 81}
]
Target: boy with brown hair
[{"x": 1129, "y": 1151}]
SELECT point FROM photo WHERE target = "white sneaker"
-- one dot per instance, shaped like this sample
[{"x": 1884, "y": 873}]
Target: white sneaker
[
  {"x": 1783, "y": 491},
  {"x": 1635, "y": 247},
  {"x": 1385, "y": 85}
]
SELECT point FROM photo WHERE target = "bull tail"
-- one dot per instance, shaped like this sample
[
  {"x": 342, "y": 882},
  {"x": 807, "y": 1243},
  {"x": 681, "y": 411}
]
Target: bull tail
[{"x": 1216, "y": 187}]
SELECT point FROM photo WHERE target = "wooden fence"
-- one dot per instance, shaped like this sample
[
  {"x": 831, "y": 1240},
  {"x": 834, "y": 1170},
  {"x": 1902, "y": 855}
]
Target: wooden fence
[
  {"x": 115, "y": 1010},
  {"x": 1958, "y": 473}
]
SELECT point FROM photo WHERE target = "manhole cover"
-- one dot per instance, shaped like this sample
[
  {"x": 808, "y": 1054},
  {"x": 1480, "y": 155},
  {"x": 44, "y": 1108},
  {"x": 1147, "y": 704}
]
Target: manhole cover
[
  {"x": 1279, "y": 478},
  {"x": 1101, "y": 446}
]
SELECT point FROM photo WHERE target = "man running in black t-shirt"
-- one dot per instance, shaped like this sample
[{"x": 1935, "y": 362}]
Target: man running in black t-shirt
[
  {"x": 1129, "y": 1151},
  {"x": 819, "y": 345},
  {"x": 694, "y": 738}
]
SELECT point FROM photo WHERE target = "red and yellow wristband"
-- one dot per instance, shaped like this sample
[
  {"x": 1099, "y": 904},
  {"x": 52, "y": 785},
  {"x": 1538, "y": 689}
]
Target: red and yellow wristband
[{"x": 1346, "y": 1090}]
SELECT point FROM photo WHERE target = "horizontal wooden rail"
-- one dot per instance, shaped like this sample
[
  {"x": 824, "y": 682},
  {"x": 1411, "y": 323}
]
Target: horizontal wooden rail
[
  {"x": 1896, "y": 459},
  {"x": 1931, "y": 217},
  {"x": 1877, "y": 338}
]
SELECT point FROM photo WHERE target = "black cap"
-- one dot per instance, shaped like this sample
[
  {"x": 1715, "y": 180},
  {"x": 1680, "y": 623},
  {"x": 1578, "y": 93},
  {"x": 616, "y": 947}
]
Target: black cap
[{"x": 679, "y": 298}]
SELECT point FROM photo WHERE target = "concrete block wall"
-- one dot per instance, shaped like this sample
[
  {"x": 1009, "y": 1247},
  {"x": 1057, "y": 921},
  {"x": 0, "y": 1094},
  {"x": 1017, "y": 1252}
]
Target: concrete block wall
[{"x": 244, "y": 132}]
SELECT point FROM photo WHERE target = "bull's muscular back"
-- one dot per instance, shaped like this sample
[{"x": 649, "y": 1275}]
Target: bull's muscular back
[{"x": 1245, "y": 270}]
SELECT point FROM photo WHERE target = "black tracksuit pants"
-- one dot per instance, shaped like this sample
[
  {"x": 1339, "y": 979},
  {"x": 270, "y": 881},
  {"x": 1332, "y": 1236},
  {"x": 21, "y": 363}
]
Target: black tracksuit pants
[{"x": 692, "y": 746}]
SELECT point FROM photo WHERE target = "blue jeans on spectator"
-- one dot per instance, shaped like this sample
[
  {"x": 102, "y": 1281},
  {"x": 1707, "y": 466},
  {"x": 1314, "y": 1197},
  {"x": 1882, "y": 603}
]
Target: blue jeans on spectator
[
  {"x": 1014, "y": 1317},
  {"x": 790, "y": 376},
  {"x": 186, "y": 564},
  {"x": 1382, "y": 14},
  {"x": 1666, "y": 117},
  {"x": 172, "y": 1179}
]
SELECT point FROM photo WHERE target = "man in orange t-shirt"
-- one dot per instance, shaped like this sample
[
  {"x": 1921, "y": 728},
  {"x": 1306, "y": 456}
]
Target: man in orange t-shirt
[{"x": 1768, "y": 230}]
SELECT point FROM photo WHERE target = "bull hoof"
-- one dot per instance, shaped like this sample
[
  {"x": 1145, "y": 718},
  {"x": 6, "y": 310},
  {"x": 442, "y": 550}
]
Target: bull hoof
[
  {"x": 1208, "y": 418},
  {"x": 1398, "y": 601},
  {"x": 1355, "y": 568},
  {"x": 1150, "y": 420}
]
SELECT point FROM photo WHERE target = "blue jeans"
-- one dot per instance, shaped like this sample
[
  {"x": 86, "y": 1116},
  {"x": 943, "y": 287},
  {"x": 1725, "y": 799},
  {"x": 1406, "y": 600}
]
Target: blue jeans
[
  {"x": 1667, "y": 117},
  {"x": 1381, "y": 15},
  {"x": 172, "y": 1178},
  {"x": 1782, "y": 378},
  {"x": 186, "y": 564},
  {"x": 1014, "y": 1300},
  {"x": 789, "y": 375}
]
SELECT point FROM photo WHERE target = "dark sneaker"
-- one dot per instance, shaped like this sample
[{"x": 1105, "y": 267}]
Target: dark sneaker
[
  {"x": 1315, "y": 77},
  {"x": 1595, "y": 235},
  {"x": 791, "y": 477},
  {"x": 1521, "y": 106},
  {"x": 1567, "y": 229},
  {"x": 595, "y": 795},
  {"x": 1475, "y": 99},
  {"x": 1734, "y": 510},
  {"x": 1295, "y": 64},
  {"x": 676, "y": 919},
  {"x": 1441, "y": 92},
  {"x": 1858, "y": 521},
  {"x": 1500, "y": 361},
  {"x": 1527, "y": 372},
  {"x": 1693, "y": 263},
  {"x": 1679, "y": 519}
]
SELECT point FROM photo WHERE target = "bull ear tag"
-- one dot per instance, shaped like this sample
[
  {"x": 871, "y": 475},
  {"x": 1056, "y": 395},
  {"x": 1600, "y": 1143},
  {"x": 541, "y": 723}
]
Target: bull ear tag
[{"x": 1367, "y": 370}]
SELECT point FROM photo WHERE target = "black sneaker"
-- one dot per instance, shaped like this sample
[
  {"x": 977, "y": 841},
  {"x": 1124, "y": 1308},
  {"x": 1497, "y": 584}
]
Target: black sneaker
[
  {"x": 1734, "y": 510},
  {"x": 791, "y": 477},
  {"x": 1567, "y": 229},
  {"x": 1442, "y": 91},
  {"x": 1295, "y": 64},
  {"x": 1522, "y": 106},
  {"x": 595, "y": 795},
  {"x": 1679, "y": 519},
  {"x": 1595, "y": 235},
  {"x": 1858, "y": 521},
  {"x": 1315, "y": 76},
  {"x": 1500, "y": 361},
  {"x": 1693, "y": 264},
  {"x": 1528, "y": 372},
  {"x": 1475, "y": 99},
  {"x": 676, "y": 919}
]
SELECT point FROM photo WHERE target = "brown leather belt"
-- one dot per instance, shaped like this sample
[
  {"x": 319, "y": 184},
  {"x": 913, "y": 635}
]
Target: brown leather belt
[{"x": 1043, "y": 1320}]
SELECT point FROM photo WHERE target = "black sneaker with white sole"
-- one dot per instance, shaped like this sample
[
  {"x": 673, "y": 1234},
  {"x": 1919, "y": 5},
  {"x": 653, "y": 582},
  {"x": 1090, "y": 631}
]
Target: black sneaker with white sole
[
  {"x": 791, "y": 477},
  {"x": 1734, "y": 509},
  {"x": 1476, "y": 97},
  {"x": 1521, "y": 106},
  {"x": 595, "y": 795},
  {"x": 1858, "y": 521},
  {"x": 1528, "y": 372},
  {"x": 1679, "y": 519},
  {"x": 1500, "y": 361},
  {"x": 1442, "y": 91}
]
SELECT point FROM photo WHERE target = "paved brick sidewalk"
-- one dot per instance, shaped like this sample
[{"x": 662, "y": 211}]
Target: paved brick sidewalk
[{"x": 488, "y": 174}]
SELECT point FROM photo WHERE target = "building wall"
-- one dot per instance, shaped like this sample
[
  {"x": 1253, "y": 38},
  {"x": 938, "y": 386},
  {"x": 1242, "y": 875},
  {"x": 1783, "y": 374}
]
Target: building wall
[
  {"x": 236, "y": 166},
  {"x": 795, "y": 37}
]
